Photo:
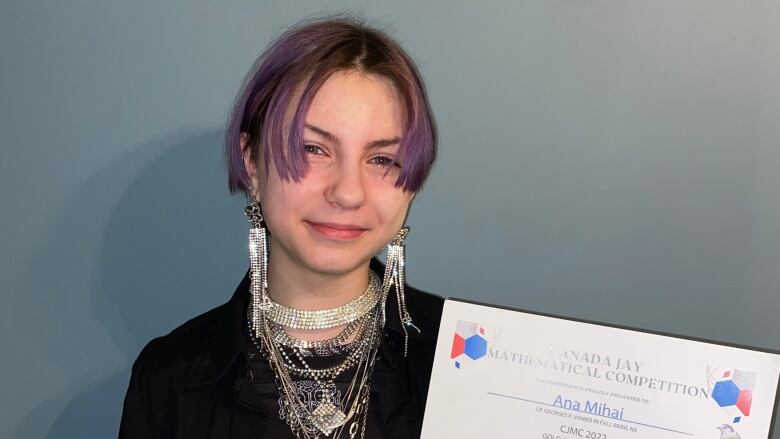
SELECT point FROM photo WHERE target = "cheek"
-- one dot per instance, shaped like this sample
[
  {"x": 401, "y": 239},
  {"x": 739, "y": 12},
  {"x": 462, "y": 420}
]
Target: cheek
[
  {"x": 288, "y": 203},
  {"x": 278, "y": 203},
  {"x": 393, "y": 210}
]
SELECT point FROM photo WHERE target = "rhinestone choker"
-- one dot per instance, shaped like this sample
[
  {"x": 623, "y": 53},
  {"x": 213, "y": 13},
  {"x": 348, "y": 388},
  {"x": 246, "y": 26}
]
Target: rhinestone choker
[{"x": 326, "y": 318}]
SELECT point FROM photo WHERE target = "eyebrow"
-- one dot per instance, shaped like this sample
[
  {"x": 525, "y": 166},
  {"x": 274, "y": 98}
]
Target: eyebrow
[{"x": 373, "y": 144}]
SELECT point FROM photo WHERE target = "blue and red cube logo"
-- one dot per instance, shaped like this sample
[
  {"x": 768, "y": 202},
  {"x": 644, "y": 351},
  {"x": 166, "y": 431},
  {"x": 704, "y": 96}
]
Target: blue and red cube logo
[
  {"x": 468, "y": 343},
  {"x": 735, "y": 389}
]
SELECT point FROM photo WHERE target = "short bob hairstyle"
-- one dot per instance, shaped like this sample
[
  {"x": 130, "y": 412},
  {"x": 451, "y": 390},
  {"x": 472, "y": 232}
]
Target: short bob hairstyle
[{"x": 299, "y": 61}]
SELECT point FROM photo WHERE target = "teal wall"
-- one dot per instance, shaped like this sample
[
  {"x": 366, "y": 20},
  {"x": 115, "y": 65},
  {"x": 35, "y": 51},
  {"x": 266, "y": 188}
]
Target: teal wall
[{"x": 609, "y": 160}]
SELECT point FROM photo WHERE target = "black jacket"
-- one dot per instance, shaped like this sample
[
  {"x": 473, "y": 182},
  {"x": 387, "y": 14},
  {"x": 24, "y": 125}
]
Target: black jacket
[{"x": 188, "y": 384}]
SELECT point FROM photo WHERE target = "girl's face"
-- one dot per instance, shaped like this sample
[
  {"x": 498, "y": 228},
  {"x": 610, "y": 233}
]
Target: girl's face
[{"x": 346, "y": 208}]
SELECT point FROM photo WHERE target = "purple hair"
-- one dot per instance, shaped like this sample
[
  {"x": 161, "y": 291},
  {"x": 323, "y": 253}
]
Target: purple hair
[{"x": 305, "y": 56}]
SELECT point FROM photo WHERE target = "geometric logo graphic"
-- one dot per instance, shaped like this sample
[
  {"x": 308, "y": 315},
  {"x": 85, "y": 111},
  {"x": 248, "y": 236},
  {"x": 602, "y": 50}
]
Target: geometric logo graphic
[
  {"x": 735, "y": 390},
  {"x": 468, "y": 343}
]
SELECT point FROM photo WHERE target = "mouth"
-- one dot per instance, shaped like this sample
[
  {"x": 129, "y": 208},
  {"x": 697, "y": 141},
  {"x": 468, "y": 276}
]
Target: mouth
[{"x": 337, "y": 231}]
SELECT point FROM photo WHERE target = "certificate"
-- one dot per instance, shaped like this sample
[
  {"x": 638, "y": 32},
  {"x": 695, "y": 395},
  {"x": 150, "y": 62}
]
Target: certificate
[{"x": 501, "y": 373}]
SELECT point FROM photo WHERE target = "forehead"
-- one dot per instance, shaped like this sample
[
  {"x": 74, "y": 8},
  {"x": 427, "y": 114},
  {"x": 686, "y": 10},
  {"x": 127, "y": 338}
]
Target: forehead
[{"x": 354, "y": 106}]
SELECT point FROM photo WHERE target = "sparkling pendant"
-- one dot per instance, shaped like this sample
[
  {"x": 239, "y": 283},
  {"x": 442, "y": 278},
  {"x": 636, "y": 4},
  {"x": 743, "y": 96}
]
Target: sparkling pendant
[{"x": 327, "y": 417}]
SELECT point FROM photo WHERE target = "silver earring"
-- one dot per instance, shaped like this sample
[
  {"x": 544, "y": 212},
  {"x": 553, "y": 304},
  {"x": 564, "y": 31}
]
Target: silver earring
[
  {"x": 258, "y": 265},
  {"x": 395, "y": 274}
]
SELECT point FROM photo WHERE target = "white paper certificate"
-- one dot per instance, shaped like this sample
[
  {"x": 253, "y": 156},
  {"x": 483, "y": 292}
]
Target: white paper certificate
[{"x": 501, "y": 373}]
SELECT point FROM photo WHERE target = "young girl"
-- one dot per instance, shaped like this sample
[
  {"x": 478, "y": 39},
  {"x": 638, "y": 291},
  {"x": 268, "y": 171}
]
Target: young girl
[{"x": 330, "y": 139}]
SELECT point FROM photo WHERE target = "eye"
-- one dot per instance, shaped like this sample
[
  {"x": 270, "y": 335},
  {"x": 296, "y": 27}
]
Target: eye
[
  {"x": 384, "y": 161},
  {"x": 313, "y": 149}
]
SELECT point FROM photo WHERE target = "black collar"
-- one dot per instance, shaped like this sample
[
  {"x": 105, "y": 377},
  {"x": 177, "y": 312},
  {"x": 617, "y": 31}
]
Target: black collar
[{"x": 225, "y": 344}]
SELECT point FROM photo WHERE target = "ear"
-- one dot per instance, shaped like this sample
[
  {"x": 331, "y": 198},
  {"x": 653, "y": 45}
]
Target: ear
[{"x": 250, "y": 166}]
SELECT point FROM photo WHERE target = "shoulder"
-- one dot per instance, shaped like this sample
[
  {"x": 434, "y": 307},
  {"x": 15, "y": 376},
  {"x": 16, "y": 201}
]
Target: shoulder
[
  {"x": 167, "y": 361},
  {"x": 159, "y": 370},
  {"x": 425, "y": 309},
  {"x": 172, "y": 354},
  {"x": 185, "y": 339}
]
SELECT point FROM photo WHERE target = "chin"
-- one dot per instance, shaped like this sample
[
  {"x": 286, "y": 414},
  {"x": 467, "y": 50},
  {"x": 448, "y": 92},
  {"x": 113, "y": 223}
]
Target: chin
[{"x": 335, "y": 262}]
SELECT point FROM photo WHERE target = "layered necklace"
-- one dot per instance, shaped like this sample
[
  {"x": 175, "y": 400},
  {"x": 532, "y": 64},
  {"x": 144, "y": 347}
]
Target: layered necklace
[{"x": 330, "y": 411}]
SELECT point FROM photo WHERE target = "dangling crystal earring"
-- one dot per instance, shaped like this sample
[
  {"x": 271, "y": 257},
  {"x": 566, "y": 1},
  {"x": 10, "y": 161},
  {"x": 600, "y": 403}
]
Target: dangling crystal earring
[
  {"x": 395, "y": 274},
  {"x": 258, "y": 265}
]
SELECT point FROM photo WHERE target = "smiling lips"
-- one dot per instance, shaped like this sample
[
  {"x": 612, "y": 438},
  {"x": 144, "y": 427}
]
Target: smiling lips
[{"x": 337, "y": 231}]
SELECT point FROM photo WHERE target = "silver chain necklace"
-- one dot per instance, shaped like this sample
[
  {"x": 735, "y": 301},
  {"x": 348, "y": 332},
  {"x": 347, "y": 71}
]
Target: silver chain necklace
[{"x": 328, "y": 416}]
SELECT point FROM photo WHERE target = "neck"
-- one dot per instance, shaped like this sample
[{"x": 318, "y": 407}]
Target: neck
[{"x": 295, "y": 286}]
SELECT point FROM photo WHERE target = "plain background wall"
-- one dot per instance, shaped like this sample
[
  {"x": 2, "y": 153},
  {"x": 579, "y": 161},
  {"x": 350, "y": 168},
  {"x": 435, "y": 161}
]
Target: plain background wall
[{"x": 608, "y": 160}]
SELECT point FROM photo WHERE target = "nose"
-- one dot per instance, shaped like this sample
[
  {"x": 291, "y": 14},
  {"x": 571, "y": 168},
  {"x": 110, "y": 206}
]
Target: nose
[{"x": 347, "y": 188}]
